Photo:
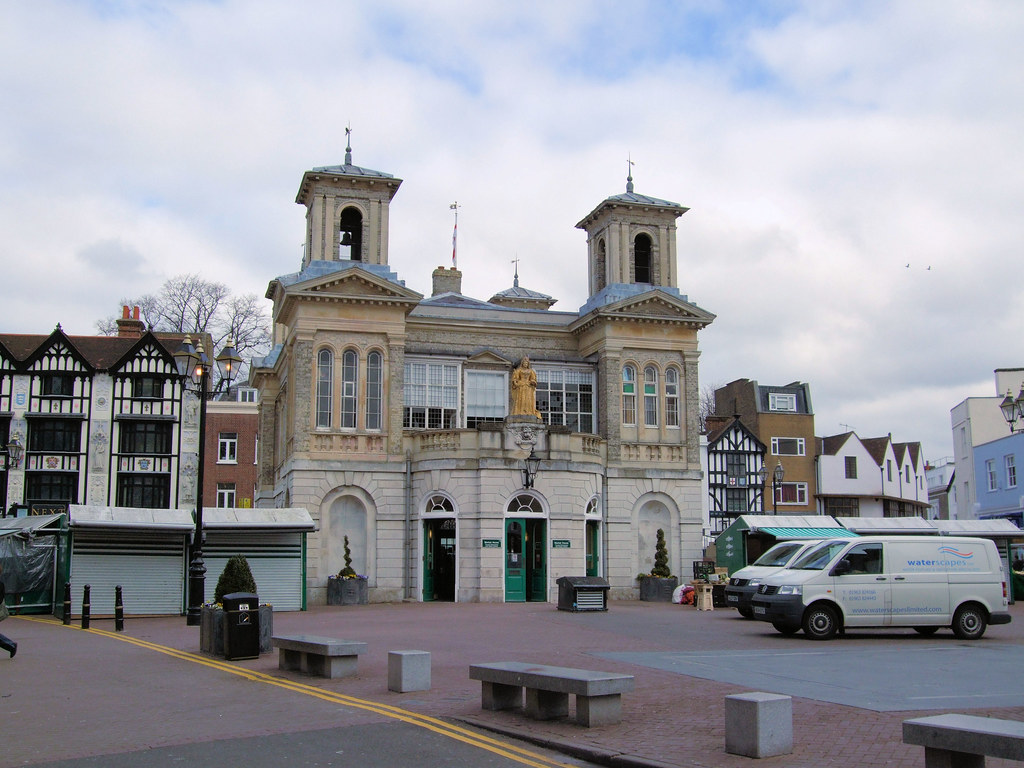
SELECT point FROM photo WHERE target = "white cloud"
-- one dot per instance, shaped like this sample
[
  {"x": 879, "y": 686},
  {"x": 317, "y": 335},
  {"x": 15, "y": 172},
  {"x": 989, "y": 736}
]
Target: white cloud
[{"x": 820, "y": 146}]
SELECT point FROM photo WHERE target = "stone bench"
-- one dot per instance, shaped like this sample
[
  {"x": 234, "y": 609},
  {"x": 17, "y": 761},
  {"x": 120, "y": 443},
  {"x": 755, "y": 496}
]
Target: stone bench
[
  {"x": 598, "y": 694},
  {"x": 323, "y": 656},
  {"x": 963, "y": 741}
]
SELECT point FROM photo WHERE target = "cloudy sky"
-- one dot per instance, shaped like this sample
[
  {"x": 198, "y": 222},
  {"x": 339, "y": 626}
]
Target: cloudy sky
[{"x": 854, "y": 170}]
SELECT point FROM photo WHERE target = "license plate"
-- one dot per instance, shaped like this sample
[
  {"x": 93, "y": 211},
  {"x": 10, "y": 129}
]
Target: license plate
[
  {"x": 759, "y": 609},
  {"x": 733, "y": 598}
]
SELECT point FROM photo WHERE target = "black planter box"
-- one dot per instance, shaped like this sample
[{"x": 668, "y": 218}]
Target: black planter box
[
  {"x": 347, "y": 591},
  {"x": 658, "y": 590}
]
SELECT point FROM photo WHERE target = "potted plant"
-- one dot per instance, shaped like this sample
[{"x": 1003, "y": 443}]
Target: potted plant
[
  {"x": 347, "y": 587},
  {"x": 236, "y": 577},
  {"x": 659, "y": 584}
]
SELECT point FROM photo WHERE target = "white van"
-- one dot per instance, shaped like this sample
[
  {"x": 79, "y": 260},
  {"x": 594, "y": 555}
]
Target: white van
[
  {"x": 924, "y": 582},
  {"x": 743, "y": 583}
]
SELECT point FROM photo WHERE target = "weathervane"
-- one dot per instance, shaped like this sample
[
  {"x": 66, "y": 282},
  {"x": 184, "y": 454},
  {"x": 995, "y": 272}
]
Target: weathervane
[
  {"x": 455, "y": 234},
  {"x": 629, "y": 172},
  {"x": 348, "y": 144}
]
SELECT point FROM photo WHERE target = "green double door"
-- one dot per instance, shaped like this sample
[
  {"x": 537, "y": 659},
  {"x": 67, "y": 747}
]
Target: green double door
[{"x": 525, "y": 560}]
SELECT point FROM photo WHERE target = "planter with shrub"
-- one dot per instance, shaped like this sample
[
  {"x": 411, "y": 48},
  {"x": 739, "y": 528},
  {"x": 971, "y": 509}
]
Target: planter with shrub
[{"x": 237, "y": 577}]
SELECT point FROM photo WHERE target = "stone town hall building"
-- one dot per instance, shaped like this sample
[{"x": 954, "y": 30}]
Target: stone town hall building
[{"x": 386, "y": 414}]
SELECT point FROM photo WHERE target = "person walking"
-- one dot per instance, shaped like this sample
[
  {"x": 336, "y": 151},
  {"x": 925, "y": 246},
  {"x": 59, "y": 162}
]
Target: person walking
[{"x": 5, "y": 642}]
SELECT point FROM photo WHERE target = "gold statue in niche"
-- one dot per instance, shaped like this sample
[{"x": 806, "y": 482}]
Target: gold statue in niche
[{"x": 524, "y": 390}]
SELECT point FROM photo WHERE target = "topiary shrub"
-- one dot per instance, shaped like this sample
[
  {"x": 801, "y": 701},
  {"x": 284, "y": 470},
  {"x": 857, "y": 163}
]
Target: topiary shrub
[
  {"x": 348, "y": 572},
  {"x": 661, "y": 568},
  {"x": 237, "y": 577}
]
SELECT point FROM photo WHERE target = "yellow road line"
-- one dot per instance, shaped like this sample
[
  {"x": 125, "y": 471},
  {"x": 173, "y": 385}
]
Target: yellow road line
[{"x": 512, "y": 752}]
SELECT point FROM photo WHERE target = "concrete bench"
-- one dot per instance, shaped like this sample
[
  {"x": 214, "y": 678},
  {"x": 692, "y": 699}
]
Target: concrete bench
[
  {"x": 963, "y": 741},
  {"x": 323, "y": 656},
  {"x": 598, "y": 694}
]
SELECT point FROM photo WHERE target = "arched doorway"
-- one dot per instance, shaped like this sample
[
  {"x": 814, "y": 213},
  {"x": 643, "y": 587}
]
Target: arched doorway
[
  {"x": 525, "y": 550},
  {"x": 439, "y": 550}
]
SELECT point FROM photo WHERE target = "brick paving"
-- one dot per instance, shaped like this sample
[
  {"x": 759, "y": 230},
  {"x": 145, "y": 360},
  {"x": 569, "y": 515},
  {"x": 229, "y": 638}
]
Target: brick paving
[{"x": 670, "y": 720}]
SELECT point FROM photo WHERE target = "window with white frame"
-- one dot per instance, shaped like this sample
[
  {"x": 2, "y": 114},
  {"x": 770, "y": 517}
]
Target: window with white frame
[
  {"x": 374, "y": 390},
  {"x": 431, "y": 395},
  {"x": 650, "y": 396},
  {"x": 349, "y": 388},
  {"x": 791, "y": 493},
  {"x": 324, "y": 387},
  {"x": 227, "y": 448},
  {"x": 782, "y": 401},
  {"x": 246, "y": 395},
  {"x": 788, "y": 446},
  {"x": 671, "y": 397},
  {"x": 1010, "y": 462},
  {"x": 565, "y": 397},
  {"x": 628, "y": 394},
  {"x": 990, "y": 471},
  {"x": 225, "y": 494},
  {"x": 486, "y": 397}
]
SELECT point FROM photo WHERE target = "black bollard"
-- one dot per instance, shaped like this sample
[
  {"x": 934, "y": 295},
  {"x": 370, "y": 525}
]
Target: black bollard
[
  {"x": 67, "y": 604},
  {"x": 85, "y": 607},
  {"x": 118, "y": 610}
]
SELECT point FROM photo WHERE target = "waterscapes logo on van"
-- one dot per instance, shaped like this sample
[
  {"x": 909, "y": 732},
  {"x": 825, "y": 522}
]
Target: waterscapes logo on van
[{"x": 953, "y": 558}]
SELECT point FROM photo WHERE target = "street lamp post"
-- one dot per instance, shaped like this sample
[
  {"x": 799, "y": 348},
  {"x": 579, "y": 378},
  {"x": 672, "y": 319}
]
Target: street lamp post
[
  {"x": 532, "y": 464},
  {"x": 193, "y": 363},
  {"x": 1013, "y": 410},
  {"x": 10, "y": 455},
  {"x": 776, "y": 476}
]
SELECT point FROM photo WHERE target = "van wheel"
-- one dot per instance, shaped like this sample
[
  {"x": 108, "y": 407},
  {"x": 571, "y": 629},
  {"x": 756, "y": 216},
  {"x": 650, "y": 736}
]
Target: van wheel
[
  {"x": 786, "y": 629},
  {"x": 969, "y": 622},
  {"x": 746, "y": 613},
  {"x": 926, "y": 631},
  {"x": 820, "y": 623}
]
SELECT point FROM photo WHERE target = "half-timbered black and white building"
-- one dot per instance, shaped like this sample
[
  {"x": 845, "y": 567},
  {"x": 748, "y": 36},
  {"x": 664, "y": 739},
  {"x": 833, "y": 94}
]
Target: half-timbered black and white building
[{"x": 735, "y": 459}]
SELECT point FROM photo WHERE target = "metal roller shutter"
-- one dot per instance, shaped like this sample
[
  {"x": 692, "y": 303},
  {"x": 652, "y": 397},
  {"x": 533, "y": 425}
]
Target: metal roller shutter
[
  {"x": 274, "y": 558},
  {"x": 151, "y": 569}
]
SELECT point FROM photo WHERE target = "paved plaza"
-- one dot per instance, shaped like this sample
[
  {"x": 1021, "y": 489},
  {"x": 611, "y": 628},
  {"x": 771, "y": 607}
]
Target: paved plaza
[{"x": 74, "y": 694}]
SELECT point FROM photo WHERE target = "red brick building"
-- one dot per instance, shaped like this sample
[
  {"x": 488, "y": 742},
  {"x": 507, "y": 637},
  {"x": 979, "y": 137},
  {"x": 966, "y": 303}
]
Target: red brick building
[{"x": 232, "y": 445}]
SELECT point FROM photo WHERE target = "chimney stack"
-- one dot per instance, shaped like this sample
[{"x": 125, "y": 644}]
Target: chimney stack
[
  {"x": 129, "y": 324},
  {"x": 447, "y": 281}
]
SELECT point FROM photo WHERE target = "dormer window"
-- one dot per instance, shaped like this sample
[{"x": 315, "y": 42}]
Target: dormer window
[{"x": 779, "y": 401}]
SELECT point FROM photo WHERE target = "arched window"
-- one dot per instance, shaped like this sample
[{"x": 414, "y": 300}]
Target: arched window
[
  {"x": 672, "y": 397},
  {"x": 374, "y": 389},
  {"x": 526, "y": 504},
  {"x": 324, "y": 387},
  {"x": 349, "y": 374},
  {"x": 642, "y": 259},
  {"x": 600, "y": 266},
  {"x": 350, "y": 235},
  {"x": 628, "y": 394},
  {"x": 438, "y": 504},
  {"x": 650, "y": 396}
]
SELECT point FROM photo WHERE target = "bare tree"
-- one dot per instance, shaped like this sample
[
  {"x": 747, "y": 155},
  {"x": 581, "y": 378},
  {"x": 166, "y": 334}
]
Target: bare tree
[
  {"x": 707, "y": 405},
  {"x": 191, "y": 304}
]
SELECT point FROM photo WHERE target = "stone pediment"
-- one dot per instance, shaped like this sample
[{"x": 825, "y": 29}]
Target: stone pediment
[
  {"x": 355, "y": 284},
  {"x": 655, "y": 306},
  {"x": 488, "y": 358}
]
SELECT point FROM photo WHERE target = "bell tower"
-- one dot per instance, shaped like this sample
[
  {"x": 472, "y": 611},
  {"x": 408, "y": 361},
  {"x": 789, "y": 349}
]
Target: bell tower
[
  {"x": 631, "y": 239},
  {"x": 347, "y": 210}
]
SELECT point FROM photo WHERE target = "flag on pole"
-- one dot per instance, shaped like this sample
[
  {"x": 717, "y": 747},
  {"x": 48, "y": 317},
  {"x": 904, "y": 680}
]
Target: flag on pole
[{"x": 455, "y": 234}]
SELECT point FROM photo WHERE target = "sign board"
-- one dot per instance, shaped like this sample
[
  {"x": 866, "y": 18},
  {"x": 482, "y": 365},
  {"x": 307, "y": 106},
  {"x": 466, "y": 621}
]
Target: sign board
[
  {"x": 560, "y": 544},
  {"x": 491, "y": 543}
]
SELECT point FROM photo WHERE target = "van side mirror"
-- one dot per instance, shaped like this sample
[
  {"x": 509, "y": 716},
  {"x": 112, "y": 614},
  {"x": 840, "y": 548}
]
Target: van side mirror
[{"x": 841, "y": 568}]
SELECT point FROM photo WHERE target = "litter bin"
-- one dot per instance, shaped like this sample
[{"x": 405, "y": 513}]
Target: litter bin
[
  {"x": 241, "y": 626},
  {"x": 582, "y": 593}
]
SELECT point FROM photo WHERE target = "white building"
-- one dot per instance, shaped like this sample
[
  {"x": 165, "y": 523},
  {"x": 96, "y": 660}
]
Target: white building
[{"x": 871, "y": 477}]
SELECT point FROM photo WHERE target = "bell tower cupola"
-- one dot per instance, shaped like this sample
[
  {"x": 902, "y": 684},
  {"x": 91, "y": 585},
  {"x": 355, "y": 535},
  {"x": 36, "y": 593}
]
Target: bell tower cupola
[
  {"x": 631, "y": 240},
  {"x": 347, "y": 210}
]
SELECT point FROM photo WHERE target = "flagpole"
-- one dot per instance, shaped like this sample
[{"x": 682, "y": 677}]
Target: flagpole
[{"x": 455, "y": 236}]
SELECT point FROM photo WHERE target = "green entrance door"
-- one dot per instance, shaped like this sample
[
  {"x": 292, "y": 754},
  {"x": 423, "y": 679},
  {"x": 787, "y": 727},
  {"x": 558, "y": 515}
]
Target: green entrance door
[
  {"x": 515, "y": 564},
  {"x": 525, "y": 560},
  {"x": 593, "y": 543},
  {"x": 439, "y": 559}
]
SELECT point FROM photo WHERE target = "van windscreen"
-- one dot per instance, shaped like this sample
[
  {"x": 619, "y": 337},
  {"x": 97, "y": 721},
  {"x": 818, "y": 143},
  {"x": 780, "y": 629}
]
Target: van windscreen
[
  {"x": 820, "y": 556},
  {"x": 778, "y": 555}
]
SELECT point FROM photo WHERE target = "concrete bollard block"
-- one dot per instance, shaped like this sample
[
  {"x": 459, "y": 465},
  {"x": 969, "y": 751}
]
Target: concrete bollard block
[
  {"x": 758, "y": 724},
  {"x": 408, "y": 671}
]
